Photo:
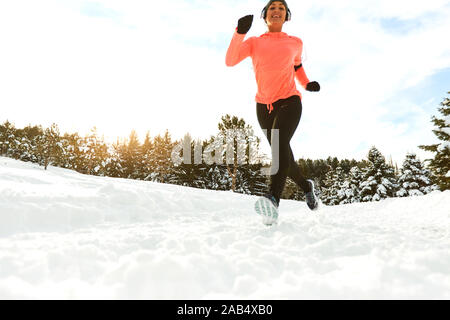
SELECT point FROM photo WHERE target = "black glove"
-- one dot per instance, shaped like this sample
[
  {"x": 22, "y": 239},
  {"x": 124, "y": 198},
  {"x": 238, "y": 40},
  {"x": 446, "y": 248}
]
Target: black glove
[
  {"x": 313, "y": 86},
  {"x": 244, "y": 24}
]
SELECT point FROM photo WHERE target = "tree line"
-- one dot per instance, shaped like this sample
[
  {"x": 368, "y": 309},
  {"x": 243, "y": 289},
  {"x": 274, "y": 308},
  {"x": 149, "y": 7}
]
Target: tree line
[{"x": 337, "y": 181}]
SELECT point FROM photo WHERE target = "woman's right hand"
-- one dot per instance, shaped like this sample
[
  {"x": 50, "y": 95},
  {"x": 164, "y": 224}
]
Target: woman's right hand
[{"x": 244, "y": 24}]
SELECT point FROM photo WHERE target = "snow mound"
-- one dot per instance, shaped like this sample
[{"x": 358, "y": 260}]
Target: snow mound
[{"x": 66, "y": 235}]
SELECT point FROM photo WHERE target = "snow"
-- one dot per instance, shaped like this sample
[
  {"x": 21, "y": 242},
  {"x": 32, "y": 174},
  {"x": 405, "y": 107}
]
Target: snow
[
  {"x": 443, "y": 145},
  {"x": 446, "y": 130},
  {"x": 64, "y": 235}
]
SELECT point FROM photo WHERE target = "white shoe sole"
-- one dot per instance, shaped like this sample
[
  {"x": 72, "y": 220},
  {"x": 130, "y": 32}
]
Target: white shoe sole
[{"x": 265, "y": 208}]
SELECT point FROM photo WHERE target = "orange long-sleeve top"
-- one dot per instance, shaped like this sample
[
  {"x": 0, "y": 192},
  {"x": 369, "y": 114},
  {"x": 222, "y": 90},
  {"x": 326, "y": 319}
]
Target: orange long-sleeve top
[{"x": 274, "y": 56}]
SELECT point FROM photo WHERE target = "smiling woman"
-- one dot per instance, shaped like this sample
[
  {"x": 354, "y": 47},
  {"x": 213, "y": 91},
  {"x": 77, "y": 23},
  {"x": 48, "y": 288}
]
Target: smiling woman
[
  {"x": 275, "y": 13},
  {"x": 277, "y": 62}
]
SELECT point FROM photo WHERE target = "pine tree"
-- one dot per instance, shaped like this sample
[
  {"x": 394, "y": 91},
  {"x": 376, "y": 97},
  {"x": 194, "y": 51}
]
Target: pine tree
[
  {"x": 21, "y": 144},
  {"x": 379, "y": 180},
  {"x": 333, "y": 162},
  {"x": 189, "y": 169},
  {"x": 414, "y": 179},
  {"x": 339, "y": 185},
  {"x": 24, "y": 151},
  {"x": 161, "y": 158},
  {"x": 28, "y": 146},
  {"x": 74, "y": 152},
  {"x": 56, "y": 148},
  {"x": 217, "y": 178},
  {"x": 326, "y": 187},
  {"x": 239, "y": 145},
  {"x": 351, "y": 186},
  {"x": 317, "y": 170},
  {"x": 440, "y": 165},
  {"x": 49, "y": 147},
  {"x": 7, "y": 139},
  {"x": 333, "y": 192},
  {"x": 145, "y": 165},
  {"x": 113, "y": 166},
  {"x": 130, "y": 156},
  {"x": 67, "y": 158},
  {"x": 94, "y": 153}
]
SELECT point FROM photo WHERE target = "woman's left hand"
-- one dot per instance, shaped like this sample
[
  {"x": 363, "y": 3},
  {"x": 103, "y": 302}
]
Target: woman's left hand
[{"x": 313, "y": 86}]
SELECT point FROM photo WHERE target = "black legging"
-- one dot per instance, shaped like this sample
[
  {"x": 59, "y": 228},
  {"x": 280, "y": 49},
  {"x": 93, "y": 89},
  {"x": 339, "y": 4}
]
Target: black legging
[{"x": 285, "y": 116}]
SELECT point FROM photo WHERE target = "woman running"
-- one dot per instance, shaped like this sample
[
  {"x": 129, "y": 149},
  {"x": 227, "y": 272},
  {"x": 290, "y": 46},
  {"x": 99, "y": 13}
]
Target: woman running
[{"x": 277, "y": 62}]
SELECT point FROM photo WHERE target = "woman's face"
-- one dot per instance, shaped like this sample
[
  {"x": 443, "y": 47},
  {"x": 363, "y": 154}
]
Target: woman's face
[{"x": 276, "y": 13}]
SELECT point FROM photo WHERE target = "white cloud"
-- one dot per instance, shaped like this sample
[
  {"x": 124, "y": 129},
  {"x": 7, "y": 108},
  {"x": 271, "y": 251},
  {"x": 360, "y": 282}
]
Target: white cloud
[{"x": 161, "y": 66}]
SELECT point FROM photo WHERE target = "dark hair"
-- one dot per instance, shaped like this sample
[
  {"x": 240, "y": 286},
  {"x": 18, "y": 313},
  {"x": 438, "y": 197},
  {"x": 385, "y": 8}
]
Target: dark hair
[{"x": 264, "y": 10}]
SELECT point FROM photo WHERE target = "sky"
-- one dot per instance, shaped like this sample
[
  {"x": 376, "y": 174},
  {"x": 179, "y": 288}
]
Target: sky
[{"x": 383, "y": 67}]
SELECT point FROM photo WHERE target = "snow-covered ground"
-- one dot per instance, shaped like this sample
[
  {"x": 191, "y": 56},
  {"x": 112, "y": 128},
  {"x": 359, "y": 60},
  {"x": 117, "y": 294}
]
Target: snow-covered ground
[{"x": 64, "y": 235}]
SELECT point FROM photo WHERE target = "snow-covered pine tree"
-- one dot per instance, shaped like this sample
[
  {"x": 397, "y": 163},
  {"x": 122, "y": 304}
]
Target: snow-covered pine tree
[
  {"x": 250, "y": 175},
  {"x": 227, "y": 128},
  {"x": 326, "y": 177},
  {"x": 113, "y": 166},
  {"x": 352, "y": 186},
  {"x": 339, "y": 185},
  {"x": 94, "y": 152},
  {"x": 256, "y": 159},
  {"x": 27, "y": 145},
  {"x": 243, "y": 180},
  {"x": 440, "y": 165},
  {"x": 335, "y": 192},
  {"x": 325, "y": 189},
  {"x": 379, "y": 181},
  {"x": 7, "y": 138},
  {"x": 237, "y": 137},
  {"x": 161, "y": 158},
  {"x": 57, "y": 155},
  {"x": 414, "y": 179},
  {"x": 259, "y": 181},
  {"x": 217, "y": 177},
  {"x": 73, "y": 145},
  {"x": 24, "y": 152},
  {"x": 49, "y": 147},
  {"x": 189, "y": 170},
  {"x": 331, "y": 187},
  {"x": 20, "y": 146}
]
